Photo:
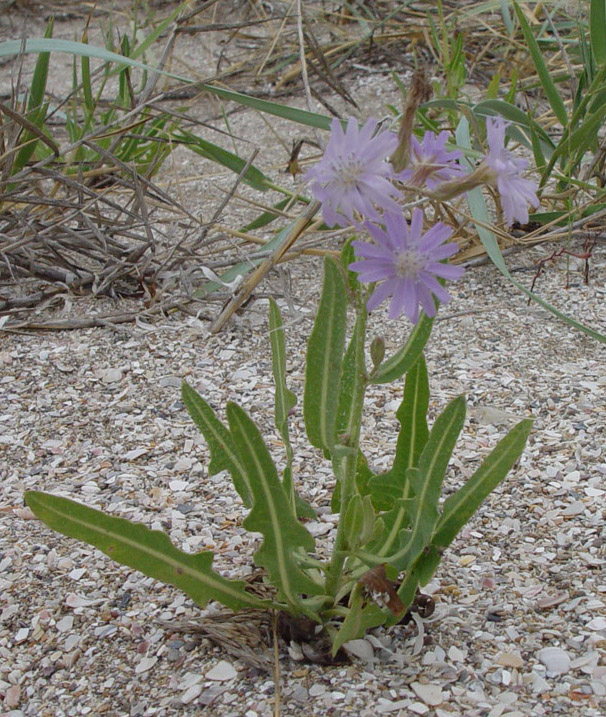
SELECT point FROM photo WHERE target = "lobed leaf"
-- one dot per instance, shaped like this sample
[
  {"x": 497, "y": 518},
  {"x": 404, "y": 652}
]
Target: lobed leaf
[
  {"x": 223, "y": 453},
  {"x": 352, "y": 387},
  {"x": 460, "y": 506},
  {"x": 272, "y": 514},
  {"x": 149, "y": 551},
  {"x": 325, "y": 359},
  {"x": 388, "y": 487},
  {"x": 426, "y": 481}
]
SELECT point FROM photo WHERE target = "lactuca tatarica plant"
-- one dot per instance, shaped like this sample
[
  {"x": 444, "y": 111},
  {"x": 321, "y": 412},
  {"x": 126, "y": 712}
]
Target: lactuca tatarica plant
[{"x": 393, "y": 526}]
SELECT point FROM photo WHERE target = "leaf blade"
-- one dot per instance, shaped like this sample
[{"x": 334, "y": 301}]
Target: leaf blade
[
  {"x": 324, "y": 360},
  {"x": 149, "y": 551}
]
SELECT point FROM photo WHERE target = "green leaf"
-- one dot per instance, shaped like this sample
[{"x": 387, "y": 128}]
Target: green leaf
[
  {"x": 359, "y": 522},
  {"x": 361, "y": 617},
  {"x": 426, "y": 481},
  {"x": 253, "y": 176},
  {"x": 324, "y": 360},
  {"x": 267, "y": 217},
  {"x": 460, "y": 506},
  {"x": 388, "y": 487},
  {"x": 551, "y": 92},
  {"x": 252, "y": 260},
  {"x": 223, "y": 453},
  {"x": 272, "y": 515},
  {"x": 514, "y": 114},
  {"x": 353, "y": 385},
  {"x": 149, "y": 551},
  {"x": 285, "y": 399},
  {"x": 36, "y": 108},
  {"x": 35, "y": 45},
  {"x": 311, "y": 119},
  {"x": 405, "y": 358},
  {"x": 597, "y": 31}
]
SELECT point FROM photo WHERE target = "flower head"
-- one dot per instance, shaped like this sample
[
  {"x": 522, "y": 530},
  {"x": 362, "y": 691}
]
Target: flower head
[
  {"x": 354, "y": 174},
  {"x": 516, "y": 191},
  {"x": 430, "y": 162},
  {"x": 407, "y": 263}
]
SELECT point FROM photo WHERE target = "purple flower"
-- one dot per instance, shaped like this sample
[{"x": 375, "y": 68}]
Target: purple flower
[
  {"x": 430, "y": 162},
  {"x": 516, "y": 192},
  {"x": 407, "y": 263},
  {"x": 354, "y": 174}
]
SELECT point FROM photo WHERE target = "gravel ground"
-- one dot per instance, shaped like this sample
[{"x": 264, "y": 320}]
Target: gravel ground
[{"x": 520, "y": 625}]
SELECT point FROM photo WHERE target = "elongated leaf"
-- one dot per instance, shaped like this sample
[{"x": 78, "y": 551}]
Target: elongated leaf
[
  {"x": 285, "y": 399},
  {"x": 253, "y": 176},
  {"x": 36, "y": 108},
  {"x": 477, "y": 207},
  {"x": 460, "y": 506},
  {"x": 244, "y": 267},
  {"x": 353, "y": 384},
  {"x": 311, "y": 119},
  {"x": 388, "y": 487},
  {"x": 149, "y": 551},
  {"x": 597, "y": 31},
  {"x": 324, "y": 360},
  {"x": 272, "y": 514},
  {"x": 223, "y": 453},
  {"x": 405, "y": 358},
  {"x": 267, "y": 217},
  {"x": 551, "y": 91},
  {"x": 35, "y": 45},
  {"x": 426, "y": 481}
]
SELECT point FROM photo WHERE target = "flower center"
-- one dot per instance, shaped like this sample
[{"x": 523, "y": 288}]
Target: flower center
[
  {"x": 348, "y": 173},
  {"x": 408, "y": 263}
]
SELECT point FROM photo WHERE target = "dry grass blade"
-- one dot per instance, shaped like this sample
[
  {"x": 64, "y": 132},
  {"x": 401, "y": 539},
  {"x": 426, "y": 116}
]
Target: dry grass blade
[{"x": 245, "y": 635}]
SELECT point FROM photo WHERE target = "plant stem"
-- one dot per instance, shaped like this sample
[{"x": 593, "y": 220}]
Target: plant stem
[{"x": 345, "y": 471}]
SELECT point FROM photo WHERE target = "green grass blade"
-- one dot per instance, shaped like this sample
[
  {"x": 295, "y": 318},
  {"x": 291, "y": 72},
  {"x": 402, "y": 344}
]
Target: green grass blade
[
  {"x": 37, "y": 45},
  {"x": 551, "y": 91},
  {"x": 459, "y": 507},
  {"x": 324, "y": 360},
  {"x": 267, "y": 217},
  {"x": 272, "y": 515},
  {"x": 310, "y": 119},
  {"x": 149, "y": 551},
  {"x": 597, "y": 31},
  {"x": 36, "y": 108},
  {"x": 223, "y": 453},
  {"x": 149, "y": 40},
  {"x": 253, "y": 176}
]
